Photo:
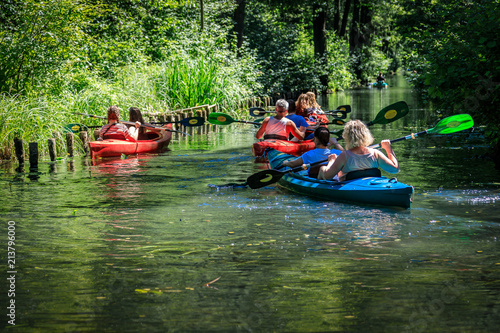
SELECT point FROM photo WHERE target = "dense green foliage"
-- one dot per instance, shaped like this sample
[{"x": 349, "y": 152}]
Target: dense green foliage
[{"x": 455, "y": 56}]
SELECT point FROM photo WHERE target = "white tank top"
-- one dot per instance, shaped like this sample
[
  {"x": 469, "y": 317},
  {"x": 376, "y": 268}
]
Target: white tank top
[
  {"x": 359, "y": 162},
  {"x": 277, "y": 127}
]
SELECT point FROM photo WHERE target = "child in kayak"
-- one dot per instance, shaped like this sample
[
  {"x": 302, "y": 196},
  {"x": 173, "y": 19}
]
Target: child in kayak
[
  {"x": 320, "y": 153},
  {"x": 116, "y": 130},
  {"x": 278, "y": 127},
  {"x": 357, "y": 155}
]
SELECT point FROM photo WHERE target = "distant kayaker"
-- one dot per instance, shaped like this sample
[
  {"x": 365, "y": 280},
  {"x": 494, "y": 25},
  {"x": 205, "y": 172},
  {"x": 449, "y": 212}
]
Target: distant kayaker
[
  {"x": 358, "y": 156},
  {"x": 320, "y": 153},
  {"x": 278, "y": 126},
  {"x": 380, "y": 77},
  {"x": 116, "y": 130}
]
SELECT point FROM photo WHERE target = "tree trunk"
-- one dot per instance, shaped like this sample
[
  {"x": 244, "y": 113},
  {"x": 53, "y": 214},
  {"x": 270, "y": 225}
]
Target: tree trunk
[
  {"x": 343, "y": 27},
  {"x": 239, "y": 25},
  {"x": 319, "y": 37},
  {"x": 366, "y": 22},
  {"x": 336, "y": 17},
  {"x": 355, "y": 29}
]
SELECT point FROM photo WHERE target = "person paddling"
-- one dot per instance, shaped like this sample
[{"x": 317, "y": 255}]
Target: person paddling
[
  {"x": 116, "y": 130},
  {"x": 278, "y": 126},
  {"x": 357, "y": 155},
  {"x": 320, "y": 153},
  {"x": 140, "y": 133},
  {"x": 380, "y": 77}
]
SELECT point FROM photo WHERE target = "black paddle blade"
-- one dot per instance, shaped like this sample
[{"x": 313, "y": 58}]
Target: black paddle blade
[
  {"x": 257, "y": 112},
  {"x": 336, "y": 121},
  {"x": 264, "y": 178},
  {"x": 390, "y": 113},
  {"x": 193, "y": 121}
]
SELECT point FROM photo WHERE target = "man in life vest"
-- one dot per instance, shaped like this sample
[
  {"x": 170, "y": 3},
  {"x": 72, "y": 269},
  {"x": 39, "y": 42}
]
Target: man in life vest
[{"x": 278, "y": 126}]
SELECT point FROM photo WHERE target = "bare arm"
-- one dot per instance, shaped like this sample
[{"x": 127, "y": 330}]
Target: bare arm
[
  {"x": 335, "y": 164},
  {"x": 262, "y": 129},
  {"x": 291, "y": 128},
  {"x": 388, "y": 163},
  {"x": 333, "y": 142},
  {"x": 293, "y": 163}
]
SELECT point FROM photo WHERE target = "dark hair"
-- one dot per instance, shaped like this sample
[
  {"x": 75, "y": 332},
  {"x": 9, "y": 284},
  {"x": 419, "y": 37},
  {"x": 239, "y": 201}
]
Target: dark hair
[
  {"x": 323, "y": 135},
  {"x": 291, "y": 105},
  {"x": 309, "y": 111},
  {"x": 135, "y": 115},
  {"x": 113, "y": 113}
]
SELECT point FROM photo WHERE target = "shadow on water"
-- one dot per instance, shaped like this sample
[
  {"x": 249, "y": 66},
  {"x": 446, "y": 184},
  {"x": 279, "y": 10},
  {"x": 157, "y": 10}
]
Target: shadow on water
[{"x": 144, "y": 245}]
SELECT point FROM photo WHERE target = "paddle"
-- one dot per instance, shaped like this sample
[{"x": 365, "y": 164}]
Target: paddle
[
  {"x": 75, "y": 128},
  {"x": 189, "y": 122},
  {"x": 341, "y": 112},
  {"x": 133, "y": 123},
  {"x": 218, "y": 118},
  {"x": 388, "y": 114},
  {"x": 447, "y": 125},
  {"x": 335, "y": 121}
]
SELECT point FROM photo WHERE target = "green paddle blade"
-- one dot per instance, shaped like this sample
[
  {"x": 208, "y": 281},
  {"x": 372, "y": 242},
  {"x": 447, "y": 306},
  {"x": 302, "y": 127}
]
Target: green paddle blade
[
  {"x": 390, "y": 113},
  {"x": 75, "y": 128},
  {"x": 453, "y": 124},
  {"x": 259, "y": 121},
  {"x": 337, "y": 133},
  {"x": 218, "y": 118}
]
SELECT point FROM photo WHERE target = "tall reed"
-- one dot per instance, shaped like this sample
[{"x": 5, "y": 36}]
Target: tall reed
[{"x": 180, "y": 83}]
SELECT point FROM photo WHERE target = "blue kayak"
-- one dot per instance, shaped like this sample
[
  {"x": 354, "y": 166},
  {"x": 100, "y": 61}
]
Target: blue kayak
[
  {"x": 380, "y": 84},
  {"x": 366, "y": 190}
]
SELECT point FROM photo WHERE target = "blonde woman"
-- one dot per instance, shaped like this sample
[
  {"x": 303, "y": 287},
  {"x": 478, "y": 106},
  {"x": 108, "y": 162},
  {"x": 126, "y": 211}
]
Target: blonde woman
[
  {"x": 357, "y": 155},
  {"x": 301, "y": 105},
  {"x": 313, "y": 104}
]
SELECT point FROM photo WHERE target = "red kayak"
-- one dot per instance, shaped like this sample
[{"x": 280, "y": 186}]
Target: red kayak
[
  {"x": 110, "y": 147},
  {"x": 288, "y": 147}
]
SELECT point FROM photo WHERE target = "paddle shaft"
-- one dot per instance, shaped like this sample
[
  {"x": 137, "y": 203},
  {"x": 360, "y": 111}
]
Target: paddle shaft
[
  {"x": 406, "y": 137},
  {"x": 133, "y": 123}
]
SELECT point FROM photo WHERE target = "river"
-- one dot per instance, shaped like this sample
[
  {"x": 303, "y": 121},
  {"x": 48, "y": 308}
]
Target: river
[{"x": 143, "y": 244}]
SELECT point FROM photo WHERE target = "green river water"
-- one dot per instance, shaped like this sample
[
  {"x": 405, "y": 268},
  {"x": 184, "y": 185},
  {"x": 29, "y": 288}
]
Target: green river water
[{"x": 143, "y": 244}]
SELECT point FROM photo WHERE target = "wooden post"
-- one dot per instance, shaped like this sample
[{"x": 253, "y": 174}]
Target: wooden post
[
  {"x": 52, "y": 149},
  {"x": 97, "y": 131},
  {"x": 33, "y": 152},
  {"x": 19, "y": 146},
  {"x": 84, "y": 136},
  {"x": 70, "y": 143}
]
